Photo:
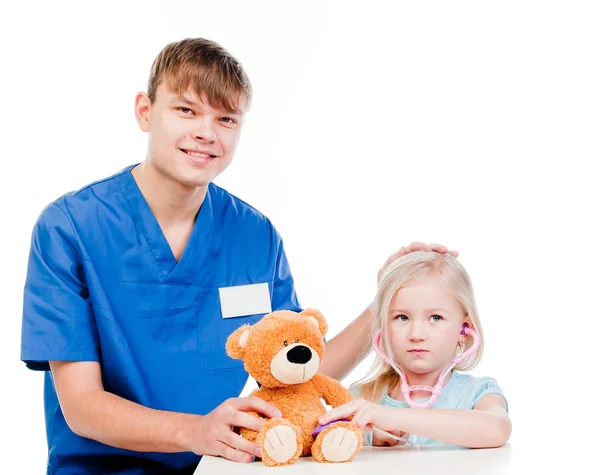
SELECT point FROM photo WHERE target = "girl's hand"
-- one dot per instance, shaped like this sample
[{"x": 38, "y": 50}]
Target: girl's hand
[
  {"x": 365, "y": 415},
  {"x": 380, "y": 439}
]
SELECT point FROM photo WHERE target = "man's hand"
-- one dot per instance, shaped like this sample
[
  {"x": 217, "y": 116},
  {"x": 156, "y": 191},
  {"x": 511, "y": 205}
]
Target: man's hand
[
  {"x": 214, "y": 434},
  {"x": 412, "y": 247}
]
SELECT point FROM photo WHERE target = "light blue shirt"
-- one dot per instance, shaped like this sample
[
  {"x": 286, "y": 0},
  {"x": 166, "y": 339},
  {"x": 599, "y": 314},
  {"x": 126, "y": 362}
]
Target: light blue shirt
[{"x": 462, "y": 391}]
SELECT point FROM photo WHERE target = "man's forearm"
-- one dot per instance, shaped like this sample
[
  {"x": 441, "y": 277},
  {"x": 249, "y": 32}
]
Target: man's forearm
[
  {"x": 464, "y": 427},
  {"x": 117, "y": 422},
  {"x": 348, "y": 348}
]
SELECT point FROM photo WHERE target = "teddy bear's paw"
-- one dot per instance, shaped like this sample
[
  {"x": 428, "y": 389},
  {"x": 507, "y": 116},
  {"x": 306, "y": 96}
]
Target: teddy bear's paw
[
  {"x": 337, "y": 443},
  {"x": 280, "y": 442}
]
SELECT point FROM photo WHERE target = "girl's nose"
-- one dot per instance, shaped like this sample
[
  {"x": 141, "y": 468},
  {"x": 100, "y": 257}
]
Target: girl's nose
[{"x": 416, "y": 333}]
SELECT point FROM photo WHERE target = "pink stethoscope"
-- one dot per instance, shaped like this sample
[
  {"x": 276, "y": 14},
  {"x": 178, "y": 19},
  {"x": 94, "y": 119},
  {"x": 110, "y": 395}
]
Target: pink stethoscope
[{"x": 437, "y": 389}]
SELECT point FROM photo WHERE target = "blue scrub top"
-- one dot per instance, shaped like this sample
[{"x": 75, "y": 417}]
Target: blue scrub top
[{"x": 103, "y": 285}]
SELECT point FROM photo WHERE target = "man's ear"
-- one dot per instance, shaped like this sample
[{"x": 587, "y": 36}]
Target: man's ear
[
  {"x": 143, "y": 105},
  {"x": 236, "y": 343},
  {"x": 316, "y": 318}
]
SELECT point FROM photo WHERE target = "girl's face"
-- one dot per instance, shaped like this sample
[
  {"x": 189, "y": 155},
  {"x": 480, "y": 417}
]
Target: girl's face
[{"x": 424, "y": 325}]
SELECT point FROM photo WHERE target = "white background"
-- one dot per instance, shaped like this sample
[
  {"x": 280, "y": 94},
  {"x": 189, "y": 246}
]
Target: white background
[{"x": 474, "y": 124}]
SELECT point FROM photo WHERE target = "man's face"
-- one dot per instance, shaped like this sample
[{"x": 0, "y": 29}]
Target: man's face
[{"x": 189, "y": 141}]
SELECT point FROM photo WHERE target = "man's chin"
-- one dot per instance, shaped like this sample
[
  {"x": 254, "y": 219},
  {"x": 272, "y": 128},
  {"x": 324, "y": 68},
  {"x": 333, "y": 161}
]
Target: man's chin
[
  {"x": 194, "y": 178},
  {"x": 194, "y": 183}
]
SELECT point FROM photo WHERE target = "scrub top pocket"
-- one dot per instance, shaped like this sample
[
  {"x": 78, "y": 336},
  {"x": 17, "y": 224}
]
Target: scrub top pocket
[
  {"x": 213, "y": 331},
  {"x": 149, "y": 342}
]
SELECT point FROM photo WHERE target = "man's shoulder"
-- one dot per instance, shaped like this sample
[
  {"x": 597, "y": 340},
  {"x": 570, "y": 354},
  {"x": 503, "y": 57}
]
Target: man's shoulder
[
  {"x": 95, "y": 188},
  {"x": 81, "y": 202},
  {"x": 236, "y": 208}
]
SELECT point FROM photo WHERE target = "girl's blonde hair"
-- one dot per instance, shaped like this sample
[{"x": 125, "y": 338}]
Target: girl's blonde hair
[{"x": 403, "y": 272}]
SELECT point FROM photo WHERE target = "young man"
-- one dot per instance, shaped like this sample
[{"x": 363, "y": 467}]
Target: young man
[{"x": 132, "y": 281}]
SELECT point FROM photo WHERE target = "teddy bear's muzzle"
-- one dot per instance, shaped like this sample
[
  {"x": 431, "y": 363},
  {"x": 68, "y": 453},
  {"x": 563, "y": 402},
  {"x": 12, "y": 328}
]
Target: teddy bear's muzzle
[{"x": 295, "y": 364}]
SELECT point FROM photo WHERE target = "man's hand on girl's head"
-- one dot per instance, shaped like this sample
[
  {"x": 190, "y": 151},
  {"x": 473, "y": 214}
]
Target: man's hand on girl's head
[{"x": 412, "y": 247}]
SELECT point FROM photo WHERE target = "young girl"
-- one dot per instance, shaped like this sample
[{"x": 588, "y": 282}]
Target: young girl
[{"x": 426, "y": 315}]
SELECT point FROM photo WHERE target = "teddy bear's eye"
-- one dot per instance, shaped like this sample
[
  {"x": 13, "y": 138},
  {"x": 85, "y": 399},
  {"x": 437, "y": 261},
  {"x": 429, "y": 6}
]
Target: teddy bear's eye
[
  {"x": 285, "y": 343},
  {"x": 296, "y": 341}
]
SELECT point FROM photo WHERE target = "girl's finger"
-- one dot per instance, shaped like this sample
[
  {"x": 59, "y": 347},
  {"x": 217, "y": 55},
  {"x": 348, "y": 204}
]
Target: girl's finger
[
  {"x": 362, "y": 419},
  {"x": 340, "y": 412}
]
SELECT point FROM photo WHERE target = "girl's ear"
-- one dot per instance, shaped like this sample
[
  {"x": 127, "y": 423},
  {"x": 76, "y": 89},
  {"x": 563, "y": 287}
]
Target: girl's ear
[{"x": 462, "y": 338}]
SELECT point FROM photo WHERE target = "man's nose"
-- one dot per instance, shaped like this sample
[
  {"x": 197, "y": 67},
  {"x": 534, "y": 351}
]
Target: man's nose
[{"x": 205, "y": 131}]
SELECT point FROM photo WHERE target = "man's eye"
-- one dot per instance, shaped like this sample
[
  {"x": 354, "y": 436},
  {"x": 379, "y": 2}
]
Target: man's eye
[{"x": 228, "y": 120}]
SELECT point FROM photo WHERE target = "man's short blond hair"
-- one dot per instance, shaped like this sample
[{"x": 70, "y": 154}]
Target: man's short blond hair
[{"x": 204, "y": 67}]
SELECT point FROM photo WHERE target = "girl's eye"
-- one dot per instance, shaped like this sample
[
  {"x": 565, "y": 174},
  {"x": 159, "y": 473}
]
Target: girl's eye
[
  {"x": 185, "y": 110},
  {"x": 437, "y": 318},
  {"x": 404, "y": 318}
]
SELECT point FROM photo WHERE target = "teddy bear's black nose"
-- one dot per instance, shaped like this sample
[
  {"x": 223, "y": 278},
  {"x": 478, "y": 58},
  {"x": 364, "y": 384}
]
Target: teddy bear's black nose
[{"x": 299, "y": 354}]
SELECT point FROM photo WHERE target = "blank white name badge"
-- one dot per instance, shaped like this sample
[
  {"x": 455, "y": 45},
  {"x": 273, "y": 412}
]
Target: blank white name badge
[{"x": 242, "y": 300}]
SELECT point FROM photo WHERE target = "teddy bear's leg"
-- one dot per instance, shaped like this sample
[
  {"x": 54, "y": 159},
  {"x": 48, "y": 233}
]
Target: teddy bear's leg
[
  {"x": 339, "y": 442},
  {"x": 280, "y": 442},
  {"x": 250, "y": 434}
]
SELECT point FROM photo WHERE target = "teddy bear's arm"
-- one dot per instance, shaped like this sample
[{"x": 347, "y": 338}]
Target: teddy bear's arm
[{"x": 331, "y": 390}]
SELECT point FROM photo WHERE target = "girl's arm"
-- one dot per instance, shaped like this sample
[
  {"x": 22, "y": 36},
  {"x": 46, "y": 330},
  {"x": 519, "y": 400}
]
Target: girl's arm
[{"x": 486, "y": 425}]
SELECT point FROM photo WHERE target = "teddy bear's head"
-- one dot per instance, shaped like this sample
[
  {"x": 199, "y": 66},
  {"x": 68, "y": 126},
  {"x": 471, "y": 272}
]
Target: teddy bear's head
[{"x": 283, "y": 348}]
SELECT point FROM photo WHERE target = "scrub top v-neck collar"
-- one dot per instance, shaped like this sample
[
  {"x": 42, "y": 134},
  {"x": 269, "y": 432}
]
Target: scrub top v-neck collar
[{"x": 169, "y": 269}]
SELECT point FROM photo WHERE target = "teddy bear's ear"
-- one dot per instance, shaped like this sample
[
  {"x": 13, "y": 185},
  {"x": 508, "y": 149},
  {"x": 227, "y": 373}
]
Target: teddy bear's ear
[
  {"x": 236, "y": 343},
  {"x": 316, "y": 318}
]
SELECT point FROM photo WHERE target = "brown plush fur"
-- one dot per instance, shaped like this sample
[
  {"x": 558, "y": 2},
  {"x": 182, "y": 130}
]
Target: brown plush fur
[{"x": 258, "y": 346}]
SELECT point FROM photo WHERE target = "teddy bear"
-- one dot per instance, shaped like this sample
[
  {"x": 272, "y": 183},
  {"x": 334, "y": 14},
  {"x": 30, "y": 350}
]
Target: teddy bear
[{"x": 283, "y": 352}]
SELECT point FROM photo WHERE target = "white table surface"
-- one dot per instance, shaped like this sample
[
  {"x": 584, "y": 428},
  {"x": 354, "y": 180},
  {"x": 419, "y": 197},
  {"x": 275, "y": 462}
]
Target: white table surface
[{"x": 422, "y": 461}]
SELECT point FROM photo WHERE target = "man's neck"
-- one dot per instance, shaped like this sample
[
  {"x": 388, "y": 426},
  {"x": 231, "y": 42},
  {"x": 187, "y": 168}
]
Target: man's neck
[{"x": 171, "y": 203}]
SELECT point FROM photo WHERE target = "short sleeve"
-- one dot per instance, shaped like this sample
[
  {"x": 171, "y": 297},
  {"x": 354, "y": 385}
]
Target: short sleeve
[
  {"x": 58, "y": 321},
  {"x": 284, "y": 291},
  {"x": 485, "y": 386}
]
